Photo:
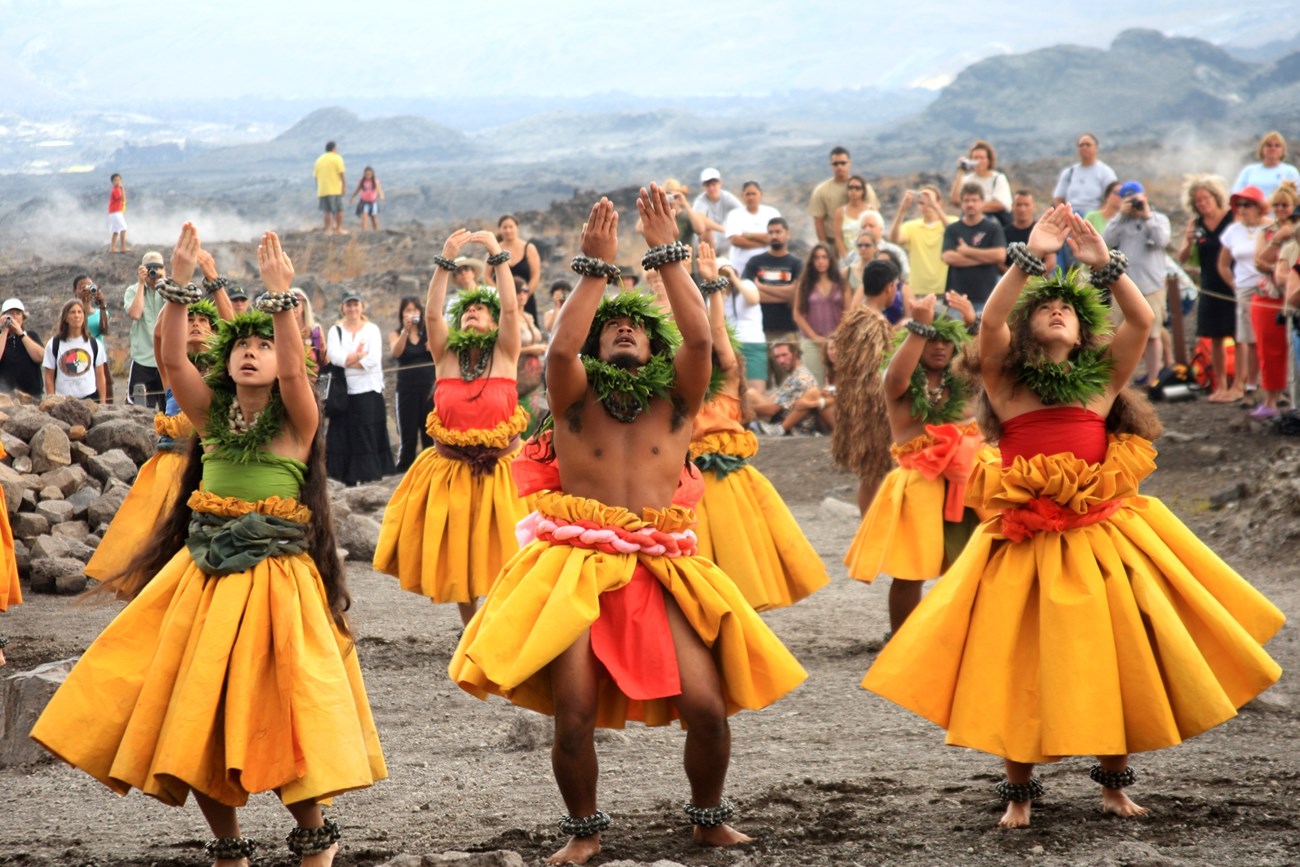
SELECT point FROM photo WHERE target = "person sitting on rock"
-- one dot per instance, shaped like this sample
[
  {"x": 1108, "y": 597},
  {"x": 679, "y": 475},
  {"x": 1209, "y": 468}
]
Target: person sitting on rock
[{"x": 782, "y": 412}]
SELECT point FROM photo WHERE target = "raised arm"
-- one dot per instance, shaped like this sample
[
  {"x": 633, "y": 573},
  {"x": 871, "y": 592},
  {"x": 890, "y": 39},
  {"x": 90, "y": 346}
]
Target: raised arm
[
  {"x": 895, "y": 228},
  {"x": 898, "y": 375},
  {"x": 508, "y": 330},
  {"x": 566, "y": 378},
  {"x": 295, "y": 388},
  {"x": 708, "y": 266},
  {"x": 208, "y": 265},
  {"x": 693, "y": 363},
  {"x": 1130, "y": 339},
  {"x": 175, "y": 367},
  {"x": 435, "y": 322}
]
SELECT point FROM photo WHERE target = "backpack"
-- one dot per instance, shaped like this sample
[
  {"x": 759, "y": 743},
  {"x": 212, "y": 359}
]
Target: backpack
[
  {"x": 94, "y": 351},
  {"x": 1203, "y": 367}
]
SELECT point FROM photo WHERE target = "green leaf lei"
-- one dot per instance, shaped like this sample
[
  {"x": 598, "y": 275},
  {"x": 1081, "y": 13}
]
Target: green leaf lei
[
  {"x": 626, "y": 394},
  {"x": 952, "y": 409},
  {"x": 244, "y": 447},
  {"x": 1070, "y": 382}
]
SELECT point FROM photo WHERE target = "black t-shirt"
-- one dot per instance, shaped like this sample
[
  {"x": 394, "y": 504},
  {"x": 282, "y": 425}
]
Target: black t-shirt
[
  {"x": 1017, "y": 236},
  {"x": 418, "y": 378},
  {"x": 766, "y": 269},
  {"x": 17, "y": 370},
  {"x": 976, "y": 281}
]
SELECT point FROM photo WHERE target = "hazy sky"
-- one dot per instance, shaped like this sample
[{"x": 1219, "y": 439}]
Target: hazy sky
[{"x": 112, "y": 54}]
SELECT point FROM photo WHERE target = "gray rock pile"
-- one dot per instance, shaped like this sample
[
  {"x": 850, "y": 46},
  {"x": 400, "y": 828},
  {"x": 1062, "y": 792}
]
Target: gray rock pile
[{"x": 70, "y": 464}]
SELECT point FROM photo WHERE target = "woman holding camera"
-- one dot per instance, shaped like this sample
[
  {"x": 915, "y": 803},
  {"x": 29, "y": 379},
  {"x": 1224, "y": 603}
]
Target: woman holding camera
[
  {"x": 979, "y": 167},
  {"x": 415, "y": 375}
]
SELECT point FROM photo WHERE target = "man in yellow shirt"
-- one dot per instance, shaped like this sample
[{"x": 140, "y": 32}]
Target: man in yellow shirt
[
  {"x": 330, "y": 184},
  {"x": 922, "y": 238}
]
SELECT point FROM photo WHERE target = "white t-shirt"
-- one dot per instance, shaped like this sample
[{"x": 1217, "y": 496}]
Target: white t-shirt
[
  {"x": 745, "y": 318},
  {"x": 1239, "y": 240},
  {"x": 1082, "y": 186},
  {"x": 340, "y": 343},
  {"x": 995, "y": 186},
  {"x": 739, "y": 222},
  {"x": 74, "y": 373}
]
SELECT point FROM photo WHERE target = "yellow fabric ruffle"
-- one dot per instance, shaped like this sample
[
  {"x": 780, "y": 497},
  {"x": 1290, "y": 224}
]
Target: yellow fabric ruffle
[
  {"x": 226, "y": 686},
  {"x": 1116, "y": 637},
  {"x": 746, "y": 528},
  {"x": 177, "y": 426},
  {"x": 902, "y": 533},
  {"x": 11, "y": 591},
  {"x": 548, "y": 595},
  {"x": 152, "y": 495},
  {"x": 740, "y": 444},
  {"x": 497, "y": 437},
  {"x": 233, "y": 507},
  {"x": 446, "y": 533}
]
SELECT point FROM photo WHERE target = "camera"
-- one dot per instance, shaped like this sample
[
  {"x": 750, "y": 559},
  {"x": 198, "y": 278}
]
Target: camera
[
  {"x": 8, "y": 320},
  {"x": 967, "y": 164},
  {"x": 152, "y": 270}
]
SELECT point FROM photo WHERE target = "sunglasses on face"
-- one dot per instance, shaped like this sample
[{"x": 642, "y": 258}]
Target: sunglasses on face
[
  {"x": 858, "y": 188},
  {"x": 839, "y": 162}
]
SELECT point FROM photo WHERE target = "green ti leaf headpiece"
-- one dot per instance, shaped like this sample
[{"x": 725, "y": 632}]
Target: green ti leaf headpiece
[
  {"x": 225, "y": 334},
  {"x": 205, "y": 307},
  {"x": 642, "y": 310},
  {"x": 1093, "y": 315},
  {"x": 458, "y": 339}
]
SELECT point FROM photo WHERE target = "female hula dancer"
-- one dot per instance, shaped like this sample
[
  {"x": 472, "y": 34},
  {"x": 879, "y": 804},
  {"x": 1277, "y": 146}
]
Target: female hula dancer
[
  {"x": 742, "y": 523},
  {"x": 157, "y": 485},
  {"x": 232, "y": 670},
  {"x": 1083, "y": 618},
  {"x": 450, "y": 525}
]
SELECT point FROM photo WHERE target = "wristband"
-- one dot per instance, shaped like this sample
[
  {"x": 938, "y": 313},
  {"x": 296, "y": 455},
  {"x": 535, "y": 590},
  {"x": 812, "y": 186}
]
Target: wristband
[
  {"x": 174, "y": 292},
  {"x": 656, "y": 257},
  {"x": 589, "y": 266},
  {"x": 929, "y": 332},
  {"x": 498, "y": 258},
  {"x": 709, "y": 287},
  {"x": 1018, "y": 253},
  {"x": 445, "y": 264},
  {"x": 1104, "y": 276},
  {"x": 211, "y": 285}
]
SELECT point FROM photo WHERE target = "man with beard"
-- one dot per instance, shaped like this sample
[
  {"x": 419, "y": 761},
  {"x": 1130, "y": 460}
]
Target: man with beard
[
  {"x": 775, "y": 271},
  {"x": 918, "y": 523},
  {"x": 792, "y": 407},
  {"x": 608, "y": 615}
]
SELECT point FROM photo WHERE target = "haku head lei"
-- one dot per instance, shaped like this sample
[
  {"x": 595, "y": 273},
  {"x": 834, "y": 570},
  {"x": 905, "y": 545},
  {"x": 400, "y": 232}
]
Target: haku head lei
[
  {"x": 1086, "y": 374},
  {"x": 624, "y": 393},
  {"x": 928, "y": 404},
  {"x": 227, "y": 431},
  {"x": 461, "y": 341},
  {"x": 205, "y": 307}
]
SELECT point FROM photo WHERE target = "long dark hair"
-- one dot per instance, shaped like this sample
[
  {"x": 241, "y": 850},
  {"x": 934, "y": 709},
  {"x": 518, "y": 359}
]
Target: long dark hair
[
  {"x": 1130, "y": 413},
  {"x": 175, "y": 527},
  {"x": 401, "y": 308},
  {"x": 808, "y": 278},
  {"x": 63, "y": 331}
]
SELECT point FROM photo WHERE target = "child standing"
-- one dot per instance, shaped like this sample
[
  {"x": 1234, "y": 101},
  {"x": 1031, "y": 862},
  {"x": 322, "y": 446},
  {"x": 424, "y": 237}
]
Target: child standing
[{"x": 117, "y": 216}]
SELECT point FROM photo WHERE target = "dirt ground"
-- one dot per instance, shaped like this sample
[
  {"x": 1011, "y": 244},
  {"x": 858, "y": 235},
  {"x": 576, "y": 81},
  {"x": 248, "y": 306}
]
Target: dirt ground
[{"x": 830, "y": 775}]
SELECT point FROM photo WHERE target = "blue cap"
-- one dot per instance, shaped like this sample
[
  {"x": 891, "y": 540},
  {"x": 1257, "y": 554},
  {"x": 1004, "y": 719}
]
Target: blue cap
[{"x": 1130, "y": 188}]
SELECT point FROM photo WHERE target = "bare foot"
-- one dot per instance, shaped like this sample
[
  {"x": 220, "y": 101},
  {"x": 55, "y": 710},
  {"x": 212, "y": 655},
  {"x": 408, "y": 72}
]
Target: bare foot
[
  {"x": 230, "y": 862},
  {"x": 722, "y": 835},
  {"x": 1016, "y": 816},
  {"x": 320, "y": 859},
  {"x": 1116, "y": 802},
  {"x": 2, "y": 657},
  {"x": 577, "y": 851}
]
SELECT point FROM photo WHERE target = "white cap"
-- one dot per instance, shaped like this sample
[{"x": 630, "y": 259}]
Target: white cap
[
  {"x": 710, "y": 174},
  {"x": 13, "y": 304}
]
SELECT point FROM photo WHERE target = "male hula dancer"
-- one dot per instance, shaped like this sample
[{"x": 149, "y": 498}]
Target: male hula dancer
[
  {"x": 579, "y": 624},
  {"x": 918, "y": 523}
]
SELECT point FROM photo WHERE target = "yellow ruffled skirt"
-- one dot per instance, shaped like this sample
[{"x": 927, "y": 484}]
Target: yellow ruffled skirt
[
  {"x": 746, "y": 528},
  {"x": 446, "y": 532},
  {"x": 1120, "y": 636},
  {"x": 155, "y": 490},
  {"x": 225, "y": 686},
  {"x": 549, "y": 594},
  {"x": 11, "y": 591}
]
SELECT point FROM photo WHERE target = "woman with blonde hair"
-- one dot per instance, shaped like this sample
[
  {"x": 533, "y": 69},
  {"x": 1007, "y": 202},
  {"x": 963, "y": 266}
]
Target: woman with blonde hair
[
  {"x": 1271, "y": 170},
  {"x": 1206, "y": 197}
]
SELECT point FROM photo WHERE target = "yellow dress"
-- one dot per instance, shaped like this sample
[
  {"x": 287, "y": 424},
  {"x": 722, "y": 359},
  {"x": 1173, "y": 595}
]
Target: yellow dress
[
  {"x": 11, "y": 592},
  {"x": 1085, "y": 619},
  {"x": 743, "y": 525},
  {"x": 550, "y": 594},
  {"x": 449, "y": 528},
  {"x": 225, "y": 685},
  {"x": 155, "y": 490},
  {"x": 918, "y": 509}
]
